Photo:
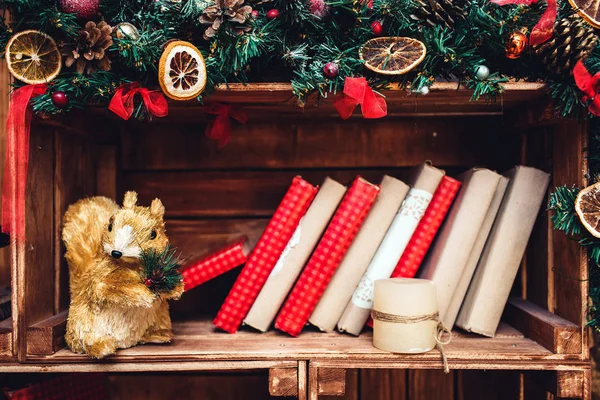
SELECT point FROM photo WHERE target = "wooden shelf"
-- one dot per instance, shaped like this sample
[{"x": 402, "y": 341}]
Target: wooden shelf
[{"x": 197, "y": 341}]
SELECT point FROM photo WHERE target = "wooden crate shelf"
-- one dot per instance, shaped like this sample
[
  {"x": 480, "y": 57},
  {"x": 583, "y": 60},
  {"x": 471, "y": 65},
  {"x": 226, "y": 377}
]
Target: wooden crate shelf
[{"x": 212, "y": 195}]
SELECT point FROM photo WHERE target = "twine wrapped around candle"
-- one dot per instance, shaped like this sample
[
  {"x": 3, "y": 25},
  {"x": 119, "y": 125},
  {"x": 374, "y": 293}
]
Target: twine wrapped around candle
[{"x": 413, "y": 319}]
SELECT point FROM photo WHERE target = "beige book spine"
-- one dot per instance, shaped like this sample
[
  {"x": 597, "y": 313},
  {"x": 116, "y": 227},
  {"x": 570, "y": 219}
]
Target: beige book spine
[
  {"x": 465, "y": 279},
  {"x": 426, "y": 179},
  {"x": 363, "y": 248},
  {"x": 452, "y": 248},
  {"x": 502, "y": 254},
  {"x": 298, "y": 250}
]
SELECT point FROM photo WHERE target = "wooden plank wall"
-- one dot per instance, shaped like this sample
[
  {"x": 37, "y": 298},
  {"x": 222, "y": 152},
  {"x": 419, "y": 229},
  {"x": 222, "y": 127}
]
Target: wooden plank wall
[
  {"x": 213, "y": 195},
  {"x": 4, "y": 97}
]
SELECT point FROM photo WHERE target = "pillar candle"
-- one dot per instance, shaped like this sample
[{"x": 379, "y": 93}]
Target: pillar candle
[{"x": 398, "y": 302}]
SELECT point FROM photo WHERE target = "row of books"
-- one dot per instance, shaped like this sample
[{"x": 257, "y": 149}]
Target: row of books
[{"x": 323, "y": 249}]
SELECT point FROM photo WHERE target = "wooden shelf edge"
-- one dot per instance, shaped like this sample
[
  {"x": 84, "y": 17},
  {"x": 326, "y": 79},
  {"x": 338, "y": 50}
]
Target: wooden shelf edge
[
  {"x": 6, "y": 337},
  {"x": 47, "y": 336},
  {"x": 551, "y": 331}
]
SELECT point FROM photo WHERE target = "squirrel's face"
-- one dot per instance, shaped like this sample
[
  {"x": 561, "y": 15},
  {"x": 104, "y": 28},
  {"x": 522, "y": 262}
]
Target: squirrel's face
[{"x": 133, "y": 229}]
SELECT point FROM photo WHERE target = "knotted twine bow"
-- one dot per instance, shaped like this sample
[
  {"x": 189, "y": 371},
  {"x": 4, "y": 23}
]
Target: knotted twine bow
[
  {"x": 438, "y": 335},
  {"x": 219, "y": 129},
  {"x": 589, "y": 85},
  {"x": 357, "y": 91},
  {"x": 18, "y": 126},
  {"x": 123, "y": 105},
  {"x": 543, "y": 30}
]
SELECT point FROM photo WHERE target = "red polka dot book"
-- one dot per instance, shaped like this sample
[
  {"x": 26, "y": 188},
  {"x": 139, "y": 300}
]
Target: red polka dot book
[
  {"x": 326, "y": 257},
  {"x": 265, "y": 255}
]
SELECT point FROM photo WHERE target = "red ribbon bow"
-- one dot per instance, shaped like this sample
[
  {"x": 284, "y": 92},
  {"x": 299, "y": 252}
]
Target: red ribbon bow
[
  {"x": 357, "y": 91},
  {"x": 542, "y": 31},
  {"x": 219, "y": 128},
  {"x": 589, "y": 85},
  {"x": 122, "y": 102},
  {"x": 18, "y": 125}
]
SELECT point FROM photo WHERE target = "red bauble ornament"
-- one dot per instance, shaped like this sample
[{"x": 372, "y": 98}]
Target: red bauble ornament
[
  {"x": 254, "y": 13},
  {"x": 273, "y": 13},
  {"x": 148, "y": 282},
  {"x": 376, "y": 28},
  {"x": 83, "y": 9},
  {"x": 331, "y": 70},
  {"x": 59, "y": 99},
  {"x": 318, "y": 8}
]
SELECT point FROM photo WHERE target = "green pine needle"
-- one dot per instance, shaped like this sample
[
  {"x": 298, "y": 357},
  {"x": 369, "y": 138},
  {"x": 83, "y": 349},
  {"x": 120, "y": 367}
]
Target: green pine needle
[
  {"x": 161, "y": 269},
  {"x": 562, "y": 205}
]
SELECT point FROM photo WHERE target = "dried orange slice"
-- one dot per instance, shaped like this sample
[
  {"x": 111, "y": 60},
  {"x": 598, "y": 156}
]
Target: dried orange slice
[
  {"x": 181, "y": 71},
  {"x": 392, "y": 55},
  {"x": 589, "y": 11},
  {"x": 32, "y": 57},
  {"x": 587, "y": 206}
]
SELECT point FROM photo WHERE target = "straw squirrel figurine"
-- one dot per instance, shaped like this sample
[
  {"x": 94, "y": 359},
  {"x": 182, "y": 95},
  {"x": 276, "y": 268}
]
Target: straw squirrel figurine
[{"x": 111, "y": 307}]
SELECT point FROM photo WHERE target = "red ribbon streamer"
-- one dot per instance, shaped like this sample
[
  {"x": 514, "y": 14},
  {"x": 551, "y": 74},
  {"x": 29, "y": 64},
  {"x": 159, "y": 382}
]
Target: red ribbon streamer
[
  {"x": 18, "y": 125},
  {"x": 219, "y": 129},
  {"x": 543, "y": 30},
  {"x": 357, "y": 91},
  {"x": 589, "y": 85},
  {"x": 122, "y": 102}
]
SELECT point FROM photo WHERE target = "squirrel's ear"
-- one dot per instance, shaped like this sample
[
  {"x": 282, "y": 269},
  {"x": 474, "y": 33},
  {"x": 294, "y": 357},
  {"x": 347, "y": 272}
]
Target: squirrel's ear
[
  {"x": 157, "y": 209},
  {"x": 130, "y": 199}
]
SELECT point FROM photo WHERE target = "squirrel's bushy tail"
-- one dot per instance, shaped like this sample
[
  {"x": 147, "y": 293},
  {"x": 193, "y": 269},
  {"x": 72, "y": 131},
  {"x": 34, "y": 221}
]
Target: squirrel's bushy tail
[{"x": 83, "y": 226}]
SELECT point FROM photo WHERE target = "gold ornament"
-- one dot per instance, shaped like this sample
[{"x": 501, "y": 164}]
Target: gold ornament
[
  {"x": 515, "y": 45},
  {"x": 125, "y": 30}
]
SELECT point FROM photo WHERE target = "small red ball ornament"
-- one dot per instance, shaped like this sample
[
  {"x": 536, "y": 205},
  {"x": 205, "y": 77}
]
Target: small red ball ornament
[
  {"x": 376, "y": 28},
  {"x": 273, "y": 13},
  {"x": 83, "y": 9},
  {"x": 515, "y": 45},
  {"x": 331, "y": 70},
  {"x": 148, "y": 282},
  {"x": 59, "y": 99},
  {"x": 254, "y": 14}
]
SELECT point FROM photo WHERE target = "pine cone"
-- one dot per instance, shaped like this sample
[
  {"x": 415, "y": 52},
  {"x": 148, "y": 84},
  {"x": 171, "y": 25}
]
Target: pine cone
[
  {"x": 89, "y": 52},
  {"x": 573, "y": 40},
  {"x": 440, "y": 12},
  {"x": 225, "y": 10}
]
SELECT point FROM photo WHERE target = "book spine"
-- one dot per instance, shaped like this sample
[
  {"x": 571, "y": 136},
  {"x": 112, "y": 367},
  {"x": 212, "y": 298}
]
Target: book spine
[
  {"x": 391, "y": 248},
  {"x": 217, "y": 263},
  {"x": 327, "y": 256},
  {"x": 446, "y": 261},
  {"x": 503, "y": 252},
  {"x": 425, "y": 232},
  {"x": 363, "y": 248},
  {"x": 295, "y": 255},
  {"x": 263, "y": 258},
  {"x": 465, "y": 279}
]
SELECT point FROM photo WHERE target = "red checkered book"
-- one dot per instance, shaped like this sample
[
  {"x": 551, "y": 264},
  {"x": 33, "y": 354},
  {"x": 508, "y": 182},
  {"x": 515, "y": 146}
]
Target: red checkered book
[
  {"x": 265, "y": 255},
  {"x": 217, "y": 263},
  {"x": 423, "y": 236},
  {"x": 70, "y": 386},
  {"x": 327, "y": 257}
]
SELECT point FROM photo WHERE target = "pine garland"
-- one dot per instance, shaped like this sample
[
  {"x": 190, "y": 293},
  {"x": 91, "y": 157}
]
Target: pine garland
[{"x": 295, "y": 46}]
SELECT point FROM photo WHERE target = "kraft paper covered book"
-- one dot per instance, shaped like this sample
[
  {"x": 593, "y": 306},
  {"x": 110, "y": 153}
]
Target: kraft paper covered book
[
  {"x": 465, "y": 279},
  {"x": 263, "y": 258},
  {"x": 339, "y": 291},
  {"x": 295, "y": 255},
  {"x": 426, "y": 180},
  {"x": 448, "y": 258},
  {"x": 502, "y": 254},
  {"x": 327, "y": 257}
]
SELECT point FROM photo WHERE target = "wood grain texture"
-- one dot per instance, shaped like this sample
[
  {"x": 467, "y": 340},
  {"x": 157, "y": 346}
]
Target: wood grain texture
[
  {"x": 556, "y": 334},
  {"x": 570, "y": 260},
  {"x": 383, "y": 384},
  {"x": 331, "y": 381},
  {"x": 6, "y": 338},
  {"x": 283, "y": 382},
  {"x": 230, "y": 194},
  {"x": 48, "y": 335},
  {"x": 329, "y": 143},
  {"x": 562, "y": 384},
  {"x": 430, "y": 385}
]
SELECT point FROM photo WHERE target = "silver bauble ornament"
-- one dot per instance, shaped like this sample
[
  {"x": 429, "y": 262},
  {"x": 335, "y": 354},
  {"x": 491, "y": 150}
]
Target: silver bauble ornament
[
  {"x": 482, "y": 72},
  {"x": 125, "y": 30}
]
